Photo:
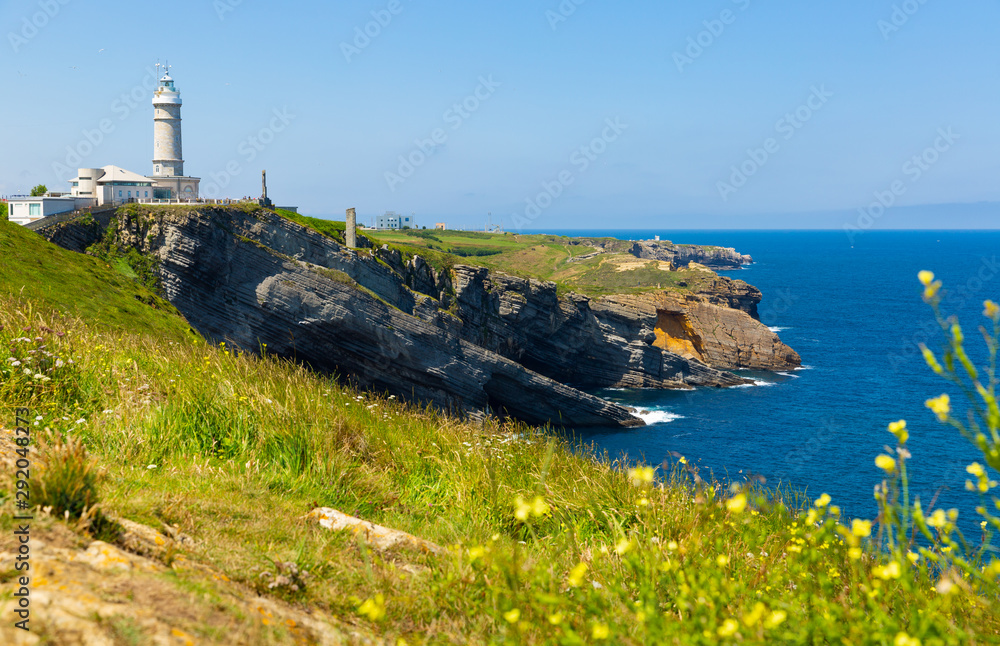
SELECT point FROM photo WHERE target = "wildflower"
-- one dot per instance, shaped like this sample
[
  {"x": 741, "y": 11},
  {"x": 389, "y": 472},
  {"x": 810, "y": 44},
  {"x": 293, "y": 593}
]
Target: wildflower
[
  {"x": 991, "y": 311},
  {"x": 737, "y": 503},
  {"x": 937, "y": 519},
  {"x": 682, "y": 460},
  {"x": 672, "y": 546},
  {"x": 15, "y": 363},
  {"x": 152, "y": 466},
  {"x": 823, "y": 500},
  {"x": 753, "y": 617},
  {"x": 861, "y": 528},
  {"x": 642, "y": 502},
  {"x": 600, "y": 631},
  {"x": 576, "y": 575},
  {"x": 511, "y": 616},
  {"x": 641, "y": 475},
  {"x": 722, "y": 560},
  {"x": 476, "y": 553},
  {"x": 556, "y": 619},
  {"x": 940, "y": 405},
  {"x": 902, "y": 639},
  {"x": 728, "y": 628},
  {"x": 854, "y": 553},
  {"x": 623, "y": 546},
  {"x": 899, "y": 430},
  {"x": 374, "y": 609},
  {"x": 913, "y": 556},
  {"x": 888, "y": 571},
  {"x": 81, "y": 421},
  {"x": 775, "y": 619},
  {"x": 885, "y": 463}
]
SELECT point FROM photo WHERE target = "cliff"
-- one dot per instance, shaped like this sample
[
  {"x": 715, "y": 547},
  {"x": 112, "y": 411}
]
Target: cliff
[
  {"x": 682, "y": 254},
  {"x": 464, "y": 338}
]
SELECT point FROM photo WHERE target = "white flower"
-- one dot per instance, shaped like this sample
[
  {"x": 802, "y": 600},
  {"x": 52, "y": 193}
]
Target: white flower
[
  {"x": 39, "y": 418},
  {"x": 152, "y": 466},
  {"x": 108, "y": 411},
  {"x": 80, "y": 421},
  {"x": 60, "y": 363},
  {"x": 27, "y": 372}
]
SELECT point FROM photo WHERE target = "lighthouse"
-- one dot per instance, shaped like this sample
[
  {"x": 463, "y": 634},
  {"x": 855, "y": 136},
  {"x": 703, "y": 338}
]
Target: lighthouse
[
  {"x": 168, "y": 161},
  {"x": 168, "y": 177}
]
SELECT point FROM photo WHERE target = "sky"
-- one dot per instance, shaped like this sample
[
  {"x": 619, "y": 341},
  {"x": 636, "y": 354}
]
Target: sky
[{"x": 542, "y": 114}]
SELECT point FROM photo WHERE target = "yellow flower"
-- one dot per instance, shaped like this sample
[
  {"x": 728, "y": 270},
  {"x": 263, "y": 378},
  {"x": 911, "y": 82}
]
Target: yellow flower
[
  {"x": 576, "y": 575},
  {"x": 823, "y": 500},
  {"x": 940, "y": 405},
  {"x": 682, "y": 460},
  {"x": 556, "y": 619},
  {"x": 899, "y": 430},
  {"x": 753, "y": 617},
  {"x": 926, "y": 277},
  {"x": 885, "y": 463},
  {"x": 374, "y": 609},
  {"x": 975, "y": 469},
  {"x": 539, "y": 507},
  {"x": 737, "y": 503},
  {"x": 854, "y": 553},
  {"x": 937, "y": 519},
  {"x": 991, "y": 311},
  {"x": 623, "y": 546},
  {"x": 641, "y": 475},
  {"x": 523, "y": 509},
  {"x": 672, "y": 546},
  {"x": 511, "y": 616},
  {"x": 775, "y": 619},
  {"x": 861, "y": 528},
  {"x": 931, "y": 360},
  {"x": 913, "y": 556},
  {"x": 642, "y": 502},
  {"x": 728, "y": 628},
  {"x": 722, "y": 560},
  {"x": 902, "y": 639},
  {"x": 600, "y": 631},
  {"x": 889, "y": 571}
]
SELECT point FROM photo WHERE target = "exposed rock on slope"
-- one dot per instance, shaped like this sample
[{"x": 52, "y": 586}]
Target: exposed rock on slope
[
  {"x": 682, "y": 254},
  {"x": 464, "y": 337}
]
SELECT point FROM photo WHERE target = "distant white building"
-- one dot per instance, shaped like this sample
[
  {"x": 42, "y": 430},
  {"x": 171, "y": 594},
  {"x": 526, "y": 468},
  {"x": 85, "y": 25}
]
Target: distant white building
[
  {"x": 393, "y": 220},
  {"x": 25, "y": 210}
]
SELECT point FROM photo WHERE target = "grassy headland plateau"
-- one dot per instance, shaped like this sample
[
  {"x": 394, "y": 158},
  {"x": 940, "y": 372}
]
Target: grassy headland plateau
[{"x": 208, "y": 463}]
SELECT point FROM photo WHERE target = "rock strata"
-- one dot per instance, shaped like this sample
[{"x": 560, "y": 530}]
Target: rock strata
[{"x": 464, "y": 338}]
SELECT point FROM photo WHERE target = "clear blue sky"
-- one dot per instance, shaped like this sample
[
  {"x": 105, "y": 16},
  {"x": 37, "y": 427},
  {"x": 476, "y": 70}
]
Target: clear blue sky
[{"x": 551, "y": 88}]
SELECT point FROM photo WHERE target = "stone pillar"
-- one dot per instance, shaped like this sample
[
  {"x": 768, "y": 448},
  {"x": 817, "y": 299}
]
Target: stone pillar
[{"x": 351, "y": 235}]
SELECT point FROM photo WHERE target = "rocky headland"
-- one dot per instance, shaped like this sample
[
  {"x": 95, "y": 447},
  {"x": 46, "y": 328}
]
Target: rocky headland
[{"x": 462, "y": 337}]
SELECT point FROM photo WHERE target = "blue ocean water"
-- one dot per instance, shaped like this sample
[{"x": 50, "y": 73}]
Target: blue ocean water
[{"x": 852, "y": 309}]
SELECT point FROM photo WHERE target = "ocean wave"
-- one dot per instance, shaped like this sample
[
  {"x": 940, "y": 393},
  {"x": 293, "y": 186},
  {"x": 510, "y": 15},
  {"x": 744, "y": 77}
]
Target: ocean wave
[
  {"x": 756, "y": 382},
  {"x": 788, "y": 374},
  {"x": 776, "y": 329},
  {"x": 804, "y": 368},
  {"x": 657, "y": 416}
]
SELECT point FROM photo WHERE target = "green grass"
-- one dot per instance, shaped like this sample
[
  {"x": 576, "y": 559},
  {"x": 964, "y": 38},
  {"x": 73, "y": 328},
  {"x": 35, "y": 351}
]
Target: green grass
[
  {"x": 546, "y": 544},
  {"x": 80, "y": 285},
  {"x": 329, "y": 228}
]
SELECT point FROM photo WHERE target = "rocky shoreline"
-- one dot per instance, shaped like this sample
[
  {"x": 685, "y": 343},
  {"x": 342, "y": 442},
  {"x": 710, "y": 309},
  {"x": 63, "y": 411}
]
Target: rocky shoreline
[{"x": 463, "y": 338}]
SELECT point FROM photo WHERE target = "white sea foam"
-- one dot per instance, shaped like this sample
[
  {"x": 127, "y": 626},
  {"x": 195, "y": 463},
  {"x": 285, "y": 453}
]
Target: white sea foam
[
  {"x": 788, "y": 374},
  {"x": 657, "y": 416},
  {"x": 804, "y": 368},
  {"x": 776, "y": 329},
  {"x": 756, "y": 382}
]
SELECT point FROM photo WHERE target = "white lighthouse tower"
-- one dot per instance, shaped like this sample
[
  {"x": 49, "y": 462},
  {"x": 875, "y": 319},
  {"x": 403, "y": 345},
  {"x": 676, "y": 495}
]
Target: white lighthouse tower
[{"x": 168, "y": 159}]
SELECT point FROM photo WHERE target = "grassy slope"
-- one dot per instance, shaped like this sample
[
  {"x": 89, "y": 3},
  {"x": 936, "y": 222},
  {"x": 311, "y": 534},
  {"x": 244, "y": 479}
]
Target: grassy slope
[
  {"x": 79, "y": 285},
  {"x": 545, "y": 257},
  {"x": 243, "y": 447}
]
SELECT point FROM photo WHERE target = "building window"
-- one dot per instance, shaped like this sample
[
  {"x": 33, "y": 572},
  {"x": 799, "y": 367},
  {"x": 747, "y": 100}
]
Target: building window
[
  {"x": 34, "y": 209},
  {"x": 147, "y": 193},
  {"x": 119, "y": 193}
]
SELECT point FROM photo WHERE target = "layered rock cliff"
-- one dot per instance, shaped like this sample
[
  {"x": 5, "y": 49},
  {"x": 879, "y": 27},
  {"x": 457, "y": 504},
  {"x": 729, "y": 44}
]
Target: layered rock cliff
[
  {"x": 461, "y": 337},
  {"x": 682, "y": 254}
]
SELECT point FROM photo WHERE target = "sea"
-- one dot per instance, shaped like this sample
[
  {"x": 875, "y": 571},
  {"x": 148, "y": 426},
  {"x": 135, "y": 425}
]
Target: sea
[{"x": 851, "y": 306}]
